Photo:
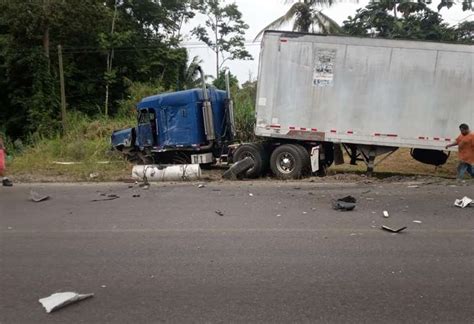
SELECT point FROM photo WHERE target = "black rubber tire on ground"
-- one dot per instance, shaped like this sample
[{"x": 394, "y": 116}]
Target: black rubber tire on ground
[
  {"x": 305, "y": 159},
  {"x": 257, "y": 153},
  {"x": 286, "y": 162}
]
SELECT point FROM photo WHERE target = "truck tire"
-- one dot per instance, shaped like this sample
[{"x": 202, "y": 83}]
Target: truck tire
[
  {"x": 305, "y": 159},
  {"x": 257, "y": 153},
  {"x": 287, "y": 162}
]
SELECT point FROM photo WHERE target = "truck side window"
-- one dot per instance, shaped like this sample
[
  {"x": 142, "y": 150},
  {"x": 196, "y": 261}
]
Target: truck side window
[{"x": 143, "y": 117}]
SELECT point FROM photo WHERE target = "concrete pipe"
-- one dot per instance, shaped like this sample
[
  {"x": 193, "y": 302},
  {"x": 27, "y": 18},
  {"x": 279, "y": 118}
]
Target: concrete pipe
[{"x": 178, "y": 172}]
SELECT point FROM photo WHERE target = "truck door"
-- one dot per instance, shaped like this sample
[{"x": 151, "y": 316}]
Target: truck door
[{"x": 146, "y": 136}]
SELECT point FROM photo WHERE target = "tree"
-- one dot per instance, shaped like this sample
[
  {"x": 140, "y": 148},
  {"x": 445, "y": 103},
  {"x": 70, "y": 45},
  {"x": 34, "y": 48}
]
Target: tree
[
  {"x": 191, "y": 77},
  {"x": 220, "y": 82},
  {"x": 223, "y": 32},
  {"x": 307, "y": 16},
  {"x": 416, "y": 22},
  {"x": 145, "y": 42}
]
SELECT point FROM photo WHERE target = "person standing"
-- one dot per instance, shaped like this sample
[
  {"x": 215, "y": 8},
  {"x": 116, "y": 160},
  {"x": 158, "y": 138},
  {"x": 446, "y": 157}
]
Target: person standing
[
  {"x": 5, "y": 181},
  {"x": 465, "y": 142}
]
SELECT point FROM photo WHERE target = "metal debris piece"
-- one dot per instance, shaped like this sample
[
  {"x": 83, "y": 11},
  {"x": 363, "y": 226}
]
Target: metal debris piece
[
  {"x": 385, "y": 214},
  {"x": 463, "y": 203},
  {"x": 344, "y": 204},
  {"x": 36, "y": 197},
  {"x": 108, "y": 197},
  {"x": 218, "y": 212},
  {"x": 59, "y": 300},
  {"x": 391, "y": 230}
]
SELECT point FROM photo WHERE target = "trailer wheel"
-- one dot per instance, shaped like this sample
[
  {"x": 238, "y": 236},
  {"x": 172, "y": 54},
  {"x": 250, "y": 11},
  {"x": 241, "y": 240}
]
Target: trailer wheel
[
  {"x": 305, "y": 159},
  {"x": 287, "y": 162},
  {"x": 259, "y": 156}
]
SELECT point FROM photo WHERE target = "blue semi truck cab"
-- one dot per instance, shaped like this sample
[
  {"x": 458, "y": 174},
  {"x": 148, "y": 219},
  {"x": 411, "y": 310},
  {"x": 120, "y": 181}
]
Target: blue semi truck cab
[{"x": 191, "y": 126}]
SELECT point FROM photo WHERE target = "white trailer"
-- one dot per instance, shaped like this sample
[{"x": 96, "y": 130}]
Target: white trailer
[{"x": 371, "y": 95}]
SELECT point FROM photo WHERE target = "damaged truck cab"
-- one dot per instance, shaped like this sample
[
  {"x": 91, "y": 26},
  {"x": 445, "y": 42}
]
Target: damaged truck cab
[{"x": 191, "y": 126}]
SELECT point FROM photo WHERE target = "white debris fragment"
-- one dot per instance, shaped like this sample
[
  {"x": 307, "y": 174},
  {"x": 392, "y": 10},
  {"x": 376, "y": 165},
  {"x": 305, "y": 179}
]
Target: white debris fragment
[
  {"x": 463, "y": 203},
  {"x": 36, "y": 197},
  {"x": 201, "y": 186},
  {"x": 385, "y": 214},
  {"x": 59, "y": 300},
  {"x": 251, "y": 194},
  {"x": 417, "y": 221},
  {"x": 414, "y": 186}
]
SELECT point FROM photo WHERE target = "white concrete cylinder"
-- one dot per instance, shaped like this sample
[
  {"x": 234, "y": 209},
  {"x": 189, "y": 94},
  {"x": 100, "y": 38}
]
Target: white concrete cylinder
[{"x": 178, "y": 172}]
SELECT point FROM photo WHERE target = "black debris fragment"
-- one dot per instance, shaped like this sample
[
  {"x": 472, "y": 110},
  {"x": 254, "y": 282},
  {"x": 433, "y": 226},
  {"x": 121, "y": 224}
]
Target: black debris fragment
[
  {"x": 344, "y": 204},
  {"x": 218, "y": 212},
  {"x": 391, "y": 230},
  {"x": 108, "y": 197}
]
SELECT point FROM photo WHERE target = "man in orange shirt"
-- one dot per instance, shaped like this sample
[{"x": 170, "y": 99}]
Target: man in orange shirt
[
  {"x": 465, "y": 142},
  {"x": 5, "y": 181}
]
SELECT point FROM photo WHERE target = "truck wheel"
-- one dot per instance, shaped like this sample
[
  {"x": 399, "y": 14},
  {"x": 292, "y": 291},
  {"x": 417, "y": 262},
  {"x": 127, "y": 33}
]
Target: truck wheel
[
  {"x": 305, "y": 159},
  {"x": 286, "y": 162},
  {"x": 259, "y": 156}
]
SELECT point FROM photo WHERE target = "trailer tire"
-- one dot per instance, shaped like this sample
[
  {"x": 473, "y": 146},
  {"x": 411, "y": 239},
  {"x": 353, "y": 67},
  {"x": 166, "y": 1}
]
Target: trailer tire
[
  {"x": 259, "y": 156},
  {"x": 305, "y": 159},
  {"x": 287, "y": 162}
]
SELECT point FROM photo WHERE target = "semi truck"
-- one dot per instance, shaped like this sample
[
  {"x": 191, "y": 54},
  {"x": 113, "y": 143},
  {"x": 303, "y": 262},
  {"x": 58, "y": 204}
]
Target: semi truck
[{"x": 317, "y": 95}]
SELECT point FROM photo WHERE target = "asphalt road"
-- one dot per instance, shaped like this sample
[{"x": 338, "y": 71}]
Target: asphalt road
[{"x": 279, "y": 253}]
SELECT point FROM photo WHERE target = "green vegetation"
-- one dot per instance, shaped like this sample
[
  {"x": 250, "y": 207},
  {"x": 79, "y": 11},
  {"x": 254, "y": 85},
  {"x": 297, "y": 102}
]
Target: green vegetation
[{"x": 116, "y": 52}]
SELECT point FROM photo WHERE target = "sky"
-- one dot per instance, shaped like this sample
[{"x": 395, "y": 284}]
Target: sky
[{"x": 259, "y": 13}]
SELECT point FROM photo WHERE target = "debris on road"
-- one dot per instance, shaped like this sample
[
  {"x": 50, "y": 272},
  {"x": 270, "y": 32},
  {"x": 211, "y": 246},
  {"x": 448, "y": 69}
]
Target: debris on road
[
  {"x": 136, "y": 195},
  {"x": 344, "y": 204},
  {"x": 36, "y": 197},
  {"x": 108, "y": 197},
  {"x": 238, "y": 169},
  {"x": 251, "y": 194},
  {"x": 417, "y": 221},
  {"x": 94, "y": 175},
  {"x": 201, "y": 186},
  {"x": 144, "y": 186},
  {"x": 386, "y": 214},
  {"x": 391, "y": 230},
  {"x": 59, "y": 300},
  {"x": 218, "y": 212},
  {"x": 414, "y": 186},
  {"x": 463, "y": 203}
]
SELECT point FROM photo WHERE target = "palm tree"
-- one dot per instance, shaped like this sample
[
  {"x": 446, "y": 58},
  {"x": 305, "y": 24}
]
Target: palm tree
[
  {"x": 192, "y": 78},
  {"x": 307, "y": 18}
]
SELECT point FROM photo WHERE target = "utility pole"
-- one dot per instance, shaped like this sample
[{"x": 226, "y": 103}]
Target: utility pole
[
  {"x": 63, "y": 90},
  {"x": 110, "y": 57}
]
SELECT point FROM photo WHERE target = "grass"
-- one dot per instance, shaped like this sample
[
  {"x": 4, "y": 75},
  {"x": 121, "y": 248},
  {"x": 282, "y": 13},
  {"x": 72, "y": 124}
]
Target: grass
[
  {"x": 402, "y": 163},
  {"x": 86, "y": 142}
]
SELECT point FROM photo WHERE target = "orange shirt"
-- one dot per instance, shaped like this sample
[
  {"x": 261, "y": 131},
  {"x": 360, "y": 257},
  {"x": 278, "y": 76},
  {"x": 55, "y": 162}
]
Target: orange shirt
[{"x": 466, "y": 147}]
